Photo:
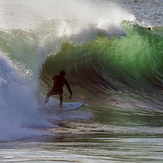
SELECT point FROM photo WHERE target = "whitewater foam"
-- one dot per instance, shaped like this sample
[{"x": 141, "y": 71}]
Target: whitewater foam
[{"x": 18, "y": 104}]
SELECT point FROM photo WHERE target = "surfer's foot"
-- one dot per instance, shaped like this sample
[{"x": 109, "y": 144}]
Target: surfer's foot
[{"x": 46, "y": 100}]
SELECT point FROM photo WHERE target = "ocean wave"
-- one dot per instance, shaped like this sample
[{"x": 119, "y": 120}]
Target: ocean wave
[
  {"x": 99, "y": 55},
  {"x": 134, "y": 59}
]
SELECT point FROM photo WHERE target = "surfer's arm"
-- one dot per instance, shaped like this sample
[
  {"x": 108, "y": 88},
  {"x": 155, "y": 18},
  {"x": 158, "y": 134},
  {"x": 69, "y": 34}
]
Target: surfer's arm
[{"x": 68, "y": 87}]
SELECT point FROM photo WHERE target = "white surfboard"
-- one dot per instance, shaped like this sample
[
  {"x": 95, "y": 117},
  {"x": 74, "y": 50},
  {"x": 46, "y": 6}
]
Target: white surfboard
[{"x": 67, "y": 106}]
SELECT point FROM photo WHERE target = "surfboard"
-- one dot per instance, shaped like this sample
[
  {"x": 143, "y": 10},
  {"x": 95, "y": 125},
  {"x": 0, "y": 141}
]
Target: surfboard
[{"x": 67, "y": 106}]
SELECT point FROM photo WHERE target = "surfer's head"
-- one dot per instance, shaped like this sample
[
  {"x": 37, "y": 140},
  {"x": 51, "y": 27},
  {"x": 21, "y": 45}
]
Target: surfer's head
[{"x": 62, "y": 73}]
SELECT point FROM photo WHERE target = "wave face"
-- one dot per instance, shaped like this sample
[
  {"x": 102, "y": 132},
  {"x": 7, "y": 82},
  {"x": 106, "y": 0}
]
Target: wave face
[
  {"x": 105, "y": 57},
  {"x": 133, "y": 58}
]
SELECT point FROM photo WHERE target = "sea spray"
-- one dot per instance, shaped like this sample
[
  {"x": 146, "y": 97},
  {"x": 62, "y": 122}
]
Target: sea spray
[{"x": 18, "y": 104}]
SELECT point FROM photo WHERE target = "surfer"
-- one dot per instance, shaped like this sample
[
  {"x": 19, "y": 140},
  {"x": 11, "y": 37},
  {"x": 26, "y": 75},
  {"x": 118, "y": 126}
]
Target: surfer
[{"x": 59, "y": 82}]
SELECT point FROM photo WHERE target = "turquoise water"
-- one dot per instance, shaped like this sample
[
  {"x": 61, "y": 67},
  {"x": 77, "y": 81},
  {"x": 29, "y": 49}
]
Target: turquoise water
[{"x": 113, "y": 64}]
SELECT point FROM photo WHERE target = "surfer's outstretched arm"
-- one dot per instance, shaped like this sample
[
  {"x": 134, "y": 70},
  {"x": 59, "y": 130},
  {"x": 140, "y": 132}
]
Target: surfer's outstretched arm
[{"x": 68, "y": 87}]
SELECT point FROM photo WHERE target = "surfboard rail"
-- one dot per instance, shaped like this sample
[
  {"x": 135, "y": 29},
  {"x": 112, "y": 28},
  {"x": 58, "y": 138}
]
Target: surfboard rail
[{"x": 68, "y": 106}]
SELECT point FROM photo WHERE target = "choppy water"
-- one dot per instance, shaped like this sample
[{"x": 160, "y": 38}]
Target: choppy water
[{"x": 113, "y": 64}]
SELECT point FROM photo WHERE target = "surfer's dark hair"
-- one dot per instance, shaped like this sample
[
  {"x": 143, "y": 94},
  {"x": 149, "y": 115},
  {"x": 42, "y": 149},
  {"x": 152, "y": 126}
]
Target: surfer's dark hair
[{"x": 63, "y": 73}]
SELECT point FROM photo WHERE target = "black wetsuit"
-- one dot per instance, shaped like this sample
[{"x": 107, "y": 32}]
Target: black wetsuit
[{"x": 59, "y": 82}]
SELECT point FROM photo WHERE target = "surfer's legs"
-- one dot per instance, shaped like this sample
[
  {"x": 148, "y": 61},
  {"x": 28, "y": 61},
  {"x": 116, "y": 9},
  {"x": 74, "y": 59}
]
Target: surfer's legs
[
  {"x": 48, "y": 95},
  {"x": 61, "y": 100},
  {"x": 52, "y": 92}
]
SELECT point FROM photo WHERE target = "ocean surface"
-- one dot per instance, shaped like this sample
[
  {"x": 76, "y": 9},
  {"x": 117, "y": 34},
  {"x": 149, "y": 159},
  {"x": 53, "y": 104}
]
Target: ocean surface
[{"x": 114, "y": 64}]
